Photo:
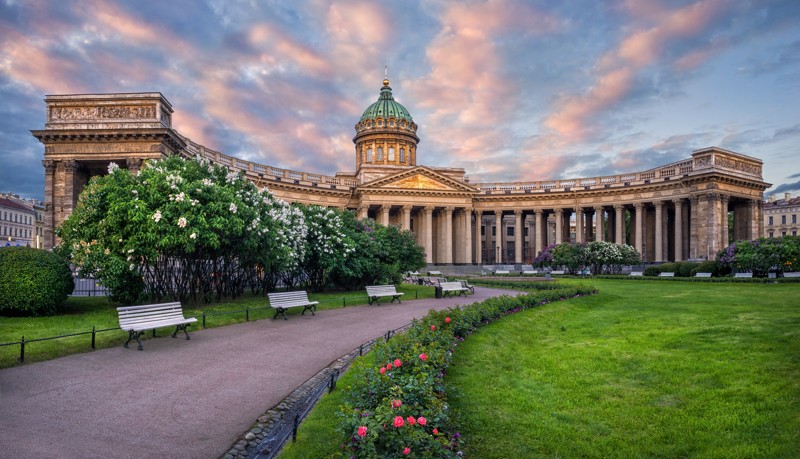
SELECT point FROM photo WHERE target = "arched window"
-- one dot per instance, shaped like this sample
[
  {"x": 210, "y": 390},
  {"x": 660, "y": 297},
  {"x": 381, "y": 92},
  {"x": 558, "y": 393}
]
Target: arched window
[
  {"x": 380, "y": 154},
  {"x": 391, "y": 153},
  {"x": 402, "y": 155}
]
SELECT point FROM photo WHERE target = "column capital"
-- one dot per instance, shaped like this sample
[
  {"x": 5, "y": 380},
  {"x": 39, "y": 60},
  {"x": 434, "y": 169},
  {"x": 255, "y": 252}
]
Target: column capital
[
  {"x": 429, "y": 209},
  {"x": 70, "y": 165},
  {"x": 694, "y": 199},
  {"x": 538, "y": 211},
  {"x": 658, "y": 204},
  {"x": 407, "y": 207},
  {"x": 678, "y": 202},
  {"x": 49, "y": 166},
  {"x": 498, "y": 213},
  {"x": 449, "y": 210},
  {"x": 133, "y": 164},
  {"x": 638, "y": 205},
  {"x": 518, "y": 212},
  {"x": 618, "y": 207},
  {"x": 725, "y": 198},
  {"x": 579, "y": 210},
  {"x": 598, "y": 208},
  {"x": 558, "y": 211}
]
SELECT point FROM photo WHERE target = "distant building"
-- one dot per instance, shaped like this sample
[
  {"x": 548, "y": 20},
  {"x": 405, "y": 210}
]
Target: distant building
[
  {"x": 781, "y": 216},
  {"x": 21, "y": 221}
]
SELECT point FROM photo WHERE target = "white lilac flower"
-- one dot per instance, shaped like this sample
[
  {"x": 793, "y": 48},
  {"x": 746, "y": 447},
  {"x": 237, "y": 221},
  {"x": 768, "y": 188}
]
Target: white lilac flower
[
  {"x": 193, "y": 236},
  {"x": 156, "y": 217},
  {"x": 182, "y": 222},
  {"x": 112, "y": 167},
  {"x": 232, "y": 208}
]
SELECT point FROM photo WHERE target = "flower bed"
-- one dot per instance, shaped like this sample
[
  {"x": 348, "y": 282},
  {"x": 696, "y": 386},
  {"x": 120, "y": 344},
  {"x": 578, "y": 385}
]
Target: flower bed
[{"x": 398, "y": 407}]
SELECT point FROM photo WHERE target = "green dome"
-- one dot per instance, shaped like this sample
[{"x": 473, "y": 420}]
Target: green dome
[{"x": 386, "y": 106}]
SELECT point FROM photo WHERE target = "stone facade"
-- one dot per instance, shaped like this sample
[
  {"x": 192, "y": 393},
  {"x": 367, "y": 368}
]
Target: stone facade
[
  {"x": 674, "y": 212},
  {"x": 782, "y": 216}
]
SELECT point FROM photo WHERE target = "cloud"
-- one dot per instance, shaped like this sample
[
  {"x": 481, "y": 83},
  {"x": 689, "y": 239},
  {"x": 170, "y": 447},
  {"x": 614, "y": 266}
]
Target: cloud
[{"x": 784, "y": 188}]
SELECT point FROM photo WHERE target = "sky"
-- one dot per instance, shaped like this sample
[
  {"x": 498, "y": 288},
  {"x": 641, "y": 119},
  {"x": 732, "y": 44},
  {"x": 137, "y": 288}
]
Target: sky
[{"x": 510, "y": 90}]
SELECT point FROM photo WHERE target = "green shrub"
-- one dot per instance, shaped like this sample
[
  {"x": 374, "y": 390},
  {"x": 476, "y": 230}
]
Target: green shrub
[
  {"x": 685, "y": 268},
  {"x": 652, "y": 271},
  {"x": 709, "y": 266},
  {"x": 33, "y": 282}
]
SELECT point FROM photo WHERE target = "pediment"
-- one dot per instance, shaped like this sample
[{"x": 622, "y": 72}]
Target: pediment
[{"x": 419, "y": 178}]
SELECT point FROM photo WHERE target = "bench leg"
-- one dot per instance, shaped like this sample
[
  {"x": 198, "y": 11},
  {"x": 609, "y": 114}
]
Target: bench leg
[
  {"x": 134, "y": 335},
  {"x": 308, "y": 308},
  {"x": 280, "y": 311},
  {"x": 396, "y": 297},
  {"x": 374, "y": 299},
  {"x": 183, "y": 328}
]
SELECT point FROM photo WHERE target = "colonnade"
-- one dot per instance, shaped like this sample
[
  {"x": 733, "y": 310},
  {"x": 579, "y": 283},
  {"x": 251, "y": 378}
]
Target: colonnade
[{"x": 676, "y": 229}]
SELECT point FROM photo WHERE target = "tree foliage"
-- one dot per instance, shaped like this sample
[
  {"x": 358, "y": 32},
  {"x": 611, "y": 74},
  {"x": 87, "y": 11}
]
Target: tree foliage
[
  {"x": 760, "y": 256},
  {"x": 32, "y": 281}
]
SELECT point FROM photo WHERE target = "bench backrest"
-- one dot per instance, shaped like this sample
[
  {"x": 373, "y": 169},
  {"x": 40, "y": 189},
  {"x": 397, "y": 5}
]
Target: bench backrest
[
  {"x": 637, "y": 273},
  {"x": 529, "y": 272},
  {"x": 374, "y": 290},
  {"x": 743, "y": 275},
  {"x": 666, "y": 274},
  {"x": 794, "y": 274},
  {"x": 702, "y": 275},
  {"x": 148, "y": 313},
  {"x": 451, "y": 285},
  {"x": 434, "y": 273},
  {"x": 279, "y": 298},
  {"x": 464, "y": 283},
  {"x": 501, "y": 271},
  {"x": 560, "y": 271}
]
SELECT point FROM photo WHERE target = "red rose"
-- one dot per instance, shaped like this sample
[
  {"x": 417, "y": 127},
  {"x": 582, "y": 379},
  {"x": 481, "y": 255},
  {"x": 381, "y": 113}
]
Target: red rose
[{"x": 398, "y": 421}]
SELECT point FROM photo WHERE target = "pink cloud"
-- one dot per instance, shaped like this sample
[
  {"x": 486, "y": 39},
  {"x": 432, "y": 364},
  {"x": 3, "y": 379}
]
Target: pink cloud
[
  {"x": 358, "y": 33},
  {"x": 279, "y": 48},
  {"x": 28, "y": 63},
  {"x": 573, "y": 117}
]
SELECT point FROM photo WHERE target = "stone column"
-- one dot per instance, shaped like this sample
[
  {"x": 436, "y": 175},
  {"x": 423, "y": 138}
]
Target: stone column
[
  {"x": 599, "y": 228},
  {"x": 588, "y": 218},
  {"x": 538, "y": 233},
  {"x": 406, "y": 226},
  {"x": 49, "y": 204},
  {"x": 578, "y": 225},
  {"x": 696, "y": 250},
  {"x": 448, "y": 235},
  {"x": 519, "y": 236},
  {"x": 468, "y": 236},
  {"x": 724, "y": 199},
  {"x": 559, "y": 226},
  {"x": 428, "y": 234},
  {"x": 753, "y": 223},
  {"x": 498, "y": 239},
  {"x": 363, "y": 212},
  {"x": 714, "y": 228},
  {"x": 678, "y": 229},
  {"x": 478, "y": 237},
  {"x": 659, "y": 235},
  {"x": 385, "y": 214},
  {"x": 619, "y": 219},
  {"x": 68, "y": 199},
  {"x": 639, "y": 233}
]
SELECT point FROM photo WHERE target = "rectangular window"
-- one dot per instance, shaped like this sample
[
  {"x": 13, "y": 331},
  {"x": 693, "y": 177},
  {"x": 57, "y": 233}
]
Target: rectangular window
[
  {"x": 770, "y": 220},
  {"x": 369, "y": 160},
  {"x": 794, "y": 218},
  {"x": 770, "y": 234},
  {"x": 483, "y": 230},
  {"x": 783, "y": 233},
  {"x": 783, "y": 219},
  {"x": 510, "y": 231},
  {"x": 380, "y": 154},
  {"x": 402, "y": 155},
  {"x": 526, "y": 231},
  {"x": 391, "y": 153},
  {"x": 494, "y": 231}
]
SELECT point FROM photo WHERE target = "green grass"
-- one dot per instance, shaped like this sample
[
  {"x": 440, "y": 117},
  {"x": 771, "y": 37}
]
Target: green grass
[
  {"x": 83, "y": 313},
  {"x": 644, "y": 369}
]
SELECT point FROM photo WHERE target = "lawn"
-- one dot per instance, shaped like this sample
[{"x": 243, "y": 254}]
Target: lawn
[
  {"x": 644, "y": 369},
  {"x": 83, "y": 313}
]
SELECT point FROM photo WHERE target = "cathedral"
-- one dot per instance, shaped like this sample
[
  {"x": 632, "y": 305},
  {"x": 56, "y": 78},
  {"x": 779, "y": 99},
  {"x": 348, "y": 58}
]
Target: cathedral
[{"x": 679, "y": 211}]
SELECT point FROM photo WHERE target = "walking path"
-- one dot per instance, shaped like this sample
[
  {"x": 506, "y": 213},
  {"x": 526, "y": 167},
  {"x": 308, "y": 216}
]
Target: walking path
[{"x": 183, "y": 398}]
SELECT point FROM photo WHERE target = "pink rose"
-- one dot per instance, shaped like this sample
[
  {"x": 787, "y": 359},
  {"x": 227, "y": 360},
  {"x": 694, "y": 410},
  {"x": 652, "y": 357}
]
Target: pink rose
[
  {"x": 422, "y": 421},
  {"x": 397, "y": 363},
  {"x": 383, "y": 370},
  {"x": 435, "y": 431},
  {"x": 433, "y": 327},
  {"x": 388, "y": 366},
  {"x": 423, "y": 356},
  {"x": 411, "y": 420},
  {"x": 406, "y": 450},
  {"x": 398, "y": 421},
  {"x": 396, "y": 403},
  {"x": 447, "y": 320},
  {"x": 362, "y": 431}
]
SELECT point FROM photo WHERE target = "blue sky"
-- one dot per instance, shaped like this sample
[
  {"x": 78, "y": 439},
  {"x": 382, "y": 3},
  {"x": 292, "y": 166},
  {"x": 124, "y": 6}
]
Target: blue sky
[{"x": 509, "y": 90}]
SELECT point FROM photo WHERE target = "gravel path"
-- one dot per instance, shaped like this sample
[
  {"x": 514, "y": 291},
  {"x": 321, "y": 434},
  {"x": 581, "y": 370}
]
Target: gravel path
[{"x": 182, "y": 398}]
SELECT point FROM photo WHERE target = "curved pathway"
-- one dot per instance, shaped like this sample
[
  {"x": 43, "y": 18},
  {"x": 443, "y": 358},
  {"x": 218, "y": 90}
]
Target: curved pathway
[{"x": 183, "y": 398}]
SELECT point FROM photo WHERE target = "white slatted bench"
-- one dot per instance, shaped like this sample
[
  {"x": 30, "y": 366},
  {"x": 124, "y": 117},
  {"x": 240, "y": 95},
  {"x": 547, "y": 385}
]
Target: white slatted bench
[
  {"x": 448, "y": 288},
  {"x": 375, "y": 292},
  {"x": 743, "y": 275},
  {"x": 666, "y": 274},
  {"x": 793, "y": 274},
  {"x": 282, "y": 301},
  {"x": 560, "y": 271},
  {"x": 637, "y": 273},
  {"x": 137, "y": 319},
  {"x": 702, "y": 274},
  {"x": 466, "y": 285},
  {"x": 528, "y": 272},
  {"x": 500, "y": 272},
  {"x": 434, "y": 273}
]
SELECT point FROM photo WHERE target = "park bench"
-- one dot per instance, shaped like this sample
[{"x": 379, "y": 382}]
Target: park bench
[
  {"x": 529, "y": 272},
  {"x": 637, "y": 273},
  {"x": 559, "y": 271},
  {"x": 466, "y": 285},
  {"x": 449, "y": 287},
  {"x": 137, "y": 319},
  {"x": 282, "y": 301},
  {"x": 434, "y": 273},
  {"x": 743, "y": 275},
  {"x": 793, "y": 274},
  {"x": 375, "y": 292},
  {"x": 666, "y": 274},
  {"x": 500, "y": 272},
  {"x": 702, "y": 274}
]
